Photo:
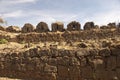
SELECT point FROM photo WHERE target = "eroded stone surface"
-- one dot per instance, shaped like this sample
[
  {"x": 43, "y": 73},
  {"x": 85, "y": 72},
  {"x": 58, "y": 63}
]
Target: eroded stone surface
[{"x": 61, "y": 65}]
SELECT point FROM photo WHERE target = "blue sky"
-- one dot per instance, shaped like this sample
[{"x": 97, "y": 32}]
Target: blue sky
[{"x": 19, "y": 12}]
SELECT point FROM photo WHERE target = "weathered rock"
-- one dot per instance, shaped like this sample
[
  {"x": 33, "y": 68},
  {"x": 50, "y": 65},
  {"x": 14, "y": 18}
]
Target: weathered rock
[
  {"x": 28, "y": 28},
  {"x": 115, "y": 50},
  {"x": 57, "y": 26},
  {"x": 74, "y": 61},
  {"x": 42, "y": 27},
  {"x": 74, "y": 73},
  {"x": 117, "y": 61},
  {"x": 89, "y": 26},
  {"x": 118, "y": 73},
  {"x": 65, "y": 61},
  {"x": 111, "y": 63},
  {"x": 112, "y": 25},
  {"x": 50, "y": 69},
  {"x": 74, "y": 26},
  {"x": 82, "y": 45},
  {"x": 105, "y": 52},
  {"x": 106, "y": 43},
  {"x": 63, "y": 71},
  {"x": 13, "y": 29},
  {"x": 87, "y": 72},
  {"x": 83, "y": 52},
  {"x": 104, "y": 27},
  {"x": 97, "y": 64},
  {"x": 104, "y": 75}
]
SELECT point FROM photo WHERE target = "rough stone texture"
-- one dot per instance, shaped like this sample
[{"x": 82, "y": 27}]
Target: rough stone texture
[
  {"x": 57, "y": 26},
  {"x": 27, "y": 28},
  {"x": 40, "y": 64},
  {"x": 104, "y": 27},
  {"x": 74, "y": 26},
  {"x": 90, "y": 25},
  {"x": 71, "y": 36},
  {"x": 112, "y": 25},
  {"x": 13, "y": 29},
  {"x": 42, "y": 27}
]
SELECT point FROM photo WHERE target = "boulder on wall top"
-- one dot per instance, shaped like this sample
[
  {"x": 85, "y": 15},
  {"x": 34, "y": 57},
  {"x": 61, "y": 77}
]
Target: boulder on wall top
[
  {"x": 57, "y": 26},
  {"x": 42, "y": 27},
  {"x": 112, "y": 25},
  {"x": 74, "y": 26},
  {"x": 104, "y": 27},
  {"x": 28, "y": 28},
  {"x": 13, "y": 29},
  {"x": 90, "y": 25}
]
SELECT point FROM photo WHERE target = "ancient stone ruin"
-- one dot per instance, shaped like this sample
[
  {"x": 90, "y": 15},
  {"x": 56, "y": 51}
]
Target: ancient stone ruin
[
  {"x": 28, "y": 28},
  {"x": 13, "y": 29},
  {"x": 90, "y": 25},
  {"x": 112, "y": 25},
  {"x": 74, "y": 26},
  {"x": 61, "y": 54},
  {"x": 42, "y": 27},
  {"x": 57, "y": 26},
  {"x": 104, "y": 27}
]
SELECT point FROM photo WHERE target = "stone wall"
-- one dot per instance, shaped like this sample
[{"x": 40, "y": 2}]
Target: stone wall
[
  {"x": 68, "y": 35},
  {"x": 57, "y": 64},
  {"x": 74, "y": 26},
  {"x": 58, "y": 26}
]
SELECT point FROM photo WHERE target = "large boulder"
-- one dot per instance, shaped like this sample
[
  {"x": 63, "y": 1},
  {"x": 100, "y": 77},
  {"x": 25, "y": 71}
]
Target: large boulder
[
  {"x": 42, "y": 27},
  {"x": 104, "y": 27},
  {"x": 89, "y": 26},
  {"x": 112, "y": 25},
  {"x": 57, "y": 26},
  {"x": 28, "y": 28},
  {"x": 13, "y": 29},
  {"x": 73, "y": 26},
  {"x": 2, "y": 28}
]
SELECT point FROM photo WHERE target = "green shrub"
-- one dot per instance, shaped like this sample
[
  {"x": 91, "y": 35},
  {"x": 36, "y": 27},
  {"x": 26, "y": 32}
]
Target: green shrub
[{"x": 3, "y": 41}]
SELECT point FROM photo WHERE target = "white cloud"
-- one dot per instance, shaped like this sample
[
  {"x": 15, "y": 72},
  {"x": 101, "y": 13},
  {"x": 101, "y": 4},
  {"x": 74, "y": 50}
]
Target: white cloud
[
  {"x": 15, "y": 14},
  {"x": 104, "y": 18},
  {"x": 13, "y": 5},
  {"x": 23, "y": 1},
  {"x": 54, "y": 15},
  {"x": 16, "y": 1}
]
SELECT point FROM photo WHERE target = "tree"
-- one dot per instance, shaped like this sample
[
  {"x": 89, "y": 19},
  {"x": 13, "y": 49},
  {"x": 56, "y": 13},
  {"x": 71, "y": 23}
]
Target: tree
[{"x": 2, "y": 21}]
